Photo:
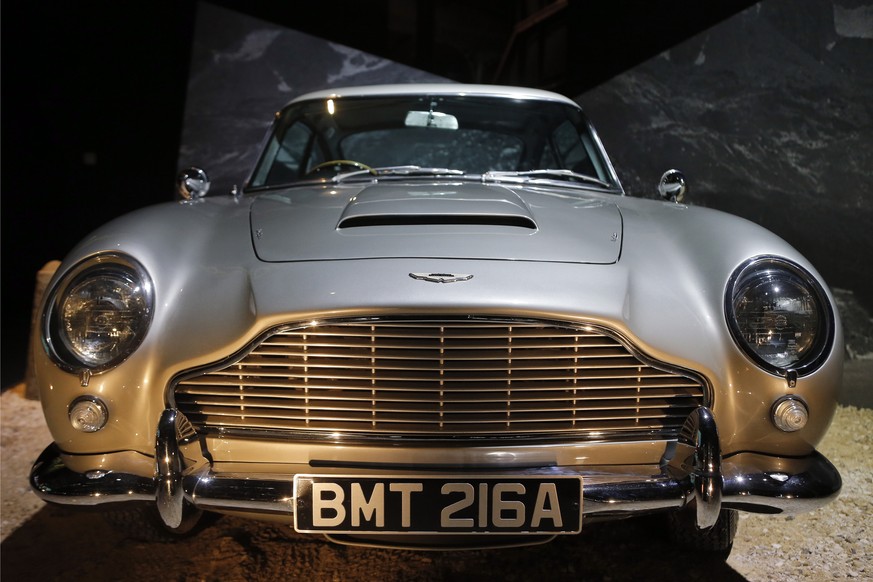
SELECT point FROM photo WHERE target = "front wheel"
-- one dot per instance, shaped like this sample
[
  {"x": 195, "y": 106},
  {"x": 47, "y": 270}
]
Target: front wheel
[
  {"x": 142, "y": 522},
  {"x": 715, "y": 541}
]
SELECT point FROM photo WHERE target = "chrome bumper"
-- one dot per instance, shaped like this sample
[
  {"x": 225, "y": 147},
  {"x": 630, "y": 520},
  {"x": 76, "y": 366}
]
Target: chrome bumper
[{"x": 695, "y": 474}]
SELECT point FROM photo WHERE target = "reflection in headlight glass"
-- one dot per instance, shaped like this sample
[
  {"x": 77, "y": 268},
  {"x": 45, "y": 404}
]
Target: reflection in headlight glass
[
  {"x": 103, "y": 317},
  {"x": 778, "y": 316}
]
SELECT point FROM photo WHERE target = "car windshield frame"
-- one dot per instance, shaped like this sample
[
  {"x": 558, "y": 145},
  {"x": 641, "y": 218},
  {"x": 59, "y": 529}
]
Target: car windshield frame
[{"x": 492, "y": 138}]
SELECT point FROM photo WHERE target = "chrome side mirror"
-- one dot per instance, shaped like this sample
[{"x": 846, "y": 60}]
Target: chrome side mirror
[
  {"x": 192, "y": 183},
  {"x": 672, "y": 186}
]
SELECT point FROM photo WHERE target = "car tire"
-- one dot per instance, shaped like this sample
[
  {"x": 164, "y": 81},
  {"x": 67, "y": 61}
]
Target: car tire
[
  {"x": 142, "y": 522},
  {"x": 716, "y": 541}
]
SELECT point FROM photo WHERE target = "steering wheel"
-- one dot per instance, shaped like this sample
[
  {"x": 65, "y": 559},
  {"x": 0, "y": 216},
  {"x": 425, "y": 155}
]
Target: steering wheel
[{"x": 338, "y": 165}]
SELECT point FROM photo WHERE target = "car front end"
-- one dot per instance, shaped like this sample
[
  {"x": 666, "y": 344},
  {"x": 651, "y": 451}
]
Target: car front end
[{"x": 412, "y": 355}]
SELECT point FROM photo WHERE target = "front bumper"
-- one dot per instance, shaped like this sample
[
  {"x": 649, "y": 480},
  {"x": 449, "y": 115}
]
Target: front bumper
[{"x": 695, "y": 474}]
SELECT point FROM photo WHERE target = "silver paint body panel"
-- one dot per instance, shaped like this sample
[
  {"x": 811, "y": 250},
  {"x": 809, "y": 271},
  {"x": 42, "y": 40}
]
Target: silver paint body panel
[{"x": 463, "y": 221}]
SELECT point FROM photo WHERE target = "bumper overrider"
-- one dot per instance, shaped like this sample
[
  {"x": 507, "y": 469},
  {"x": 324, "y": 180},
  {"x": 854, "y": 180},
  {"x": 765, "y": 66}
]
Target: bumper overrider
[{"x": 695, "y": 474}]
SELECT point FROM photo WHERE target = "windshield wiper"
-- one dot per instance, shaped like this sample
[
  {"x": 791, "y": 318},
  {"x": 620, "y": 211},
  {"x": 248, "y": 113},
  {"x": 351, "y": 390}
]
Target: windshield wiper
[
  {"x": 528, "y": 175},
  {"x": 399, "y": 171}
]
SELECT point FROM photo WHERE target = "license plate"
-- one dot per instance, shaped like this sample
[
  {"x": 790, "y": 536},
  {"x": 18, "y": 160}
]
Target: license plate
[{"x": 438, "y": 505}]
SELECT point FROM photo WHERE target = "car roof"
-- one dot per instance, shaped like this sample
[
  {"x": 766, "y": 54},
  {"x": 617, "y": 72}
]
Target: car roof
[{"x": 436, "y": 89}]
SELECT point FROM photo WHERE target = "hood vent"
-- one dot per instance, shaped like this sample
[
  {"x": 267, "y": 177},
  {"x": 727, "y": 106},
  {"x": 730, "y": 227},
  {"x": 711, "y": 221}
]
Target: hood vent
[
  {"x": 436, "y": 219},
  {"x": 452, "y": 204}
]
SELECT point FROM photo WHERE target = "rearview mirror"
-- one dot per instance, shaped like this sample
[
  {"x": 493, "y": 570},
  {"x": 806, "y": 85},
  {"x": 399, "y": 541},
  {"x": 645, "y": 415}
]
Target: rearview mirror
[{"x": 431, "y": 119}]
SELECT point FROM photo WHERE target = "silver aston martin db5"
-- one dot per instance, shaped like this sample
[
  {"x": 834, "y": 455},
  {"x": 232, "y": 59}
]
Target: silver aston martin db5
[{"x": 432, "y": 318}]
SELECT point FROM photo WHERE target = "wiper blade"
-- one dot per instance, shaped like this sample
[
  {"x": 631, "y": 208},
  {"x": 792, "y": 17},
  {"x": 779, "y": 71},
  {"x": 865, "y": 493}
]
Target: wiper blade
[
  {"x": 528, "y": 175},
  {"x": 371, "y": 173},
  {"x": 417, "y": 171},
  {"x": 400, "y": 171}
]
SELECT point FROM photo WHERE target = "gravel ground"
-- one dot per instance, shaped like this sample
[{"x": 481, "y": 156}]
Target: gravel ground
[
  {"x": 23, "y": 436},
  {"x": 835, "y": 542},
  {"x": 56, "y": 543}
]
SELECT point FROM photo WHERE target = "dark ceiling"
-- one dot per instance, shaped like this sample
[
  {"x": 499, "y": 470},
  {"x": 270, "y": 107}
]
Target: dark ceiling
[
  {"x": 89, "y": 86},
  {"x": 563, "y": 45}
]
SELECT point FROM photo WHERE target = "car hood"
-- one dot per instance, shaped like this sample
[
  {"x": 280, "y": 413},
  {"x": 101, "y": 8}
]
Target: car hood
[{"x": 435, "y": 220}]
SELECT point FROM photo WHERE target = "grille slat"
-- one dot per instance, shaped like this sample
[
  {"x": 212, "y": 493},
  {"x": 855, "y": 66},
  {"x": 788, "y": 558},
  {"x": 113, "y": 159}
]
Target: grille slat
[
  {"x": 465, "y": 378},
  {"x": 345, "y": 373},
  {"x": 400, "y": 416},
  {"x": 466, "y": 406},
  {"x": 279, "y": 396},
  {"x": 265, "y": 356},
  {"x": 519, "y": 365}
]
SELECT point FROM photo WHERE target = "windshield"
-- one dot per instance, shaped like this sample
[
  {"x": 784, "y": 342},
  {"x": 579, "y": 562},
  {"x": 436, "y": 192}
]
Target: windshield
[{"x": 496, "y": 137}]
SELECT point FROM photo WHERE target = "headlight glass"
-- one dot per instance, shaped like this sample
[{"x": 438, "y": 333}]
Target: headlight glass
[
  {"x": 779, "y": 315},
  {"x": 99, "y": 313}
]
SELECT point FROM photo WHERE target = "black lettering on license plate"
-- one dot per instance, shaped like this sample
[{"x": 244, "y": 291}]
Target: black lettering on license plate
[{"x": 354, "y": 504}]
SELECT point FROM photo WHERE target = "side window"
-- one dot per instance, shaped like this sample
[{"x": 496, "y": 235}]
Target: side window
[
  {"x": 549, "y": 159},
  {"x": 572, "y": 151},
  {"x": 290, "y": 154}
]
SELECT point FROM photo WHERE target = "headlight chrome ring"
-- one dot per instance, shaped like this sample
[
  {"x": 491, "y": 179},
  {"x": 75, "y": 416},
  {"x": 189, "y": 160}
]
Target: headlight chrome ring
[
  {"x": 779, "y": 315},
  {"x": 98, "y": 313}
]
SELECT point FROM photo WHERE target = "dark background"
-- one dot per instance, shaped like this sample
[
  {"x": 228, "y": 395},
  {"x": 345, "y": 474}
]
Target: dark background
[{"x": 94, "y": 104}]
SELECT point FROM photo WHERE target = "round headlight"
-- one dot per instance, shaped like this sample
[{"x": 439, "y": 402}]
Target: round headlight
[
  {"x": 779, "y": 315},
  {"x": 99, "y": 313}
]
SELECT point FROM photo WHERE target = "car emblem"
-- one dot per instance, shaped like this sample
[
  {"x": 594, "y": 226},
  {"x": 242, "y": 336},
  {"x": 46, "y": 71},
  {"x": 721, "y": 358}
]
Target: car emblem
[{"x": 441, "y": 277}]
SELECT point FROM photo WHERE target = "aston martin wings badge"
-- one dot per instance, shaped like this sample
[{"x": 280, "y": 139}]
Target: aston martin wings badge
[{"x": 441, "y": 277}]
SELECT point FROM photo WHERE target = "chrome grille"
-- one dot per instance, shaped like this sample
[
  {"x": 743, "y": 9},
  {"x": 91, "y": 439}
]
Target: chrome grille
[{"x": 470, "y": 377}]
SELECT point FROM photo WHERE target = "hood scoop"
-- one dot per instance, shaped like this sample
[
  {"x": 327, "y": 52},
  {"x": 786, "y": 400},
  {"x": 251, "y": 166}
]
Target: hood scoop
[{"x": 472, "y": 204}]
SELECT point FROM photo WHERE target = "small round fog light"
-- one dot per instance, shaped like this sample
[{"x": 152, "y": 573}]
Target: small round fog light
[
  {"x": 88, "y": 414},
  {"x": 790, "y": 414}
]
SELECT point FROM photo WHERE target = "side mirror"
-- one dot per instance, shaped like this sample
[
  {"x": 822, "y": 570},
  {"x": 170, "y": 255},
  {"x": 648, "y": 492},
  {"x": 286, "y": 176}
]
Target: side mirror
[
  {"x": 672, "y": 186},
  {"x": 192, "y": 184}
]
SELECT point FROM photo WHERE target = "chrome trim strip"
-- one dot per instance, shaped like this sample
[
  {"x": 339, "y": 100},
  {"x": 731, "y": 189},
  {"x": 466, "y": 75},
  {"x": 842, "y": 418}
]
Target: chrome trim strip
[{"x": 459, "y": 440}]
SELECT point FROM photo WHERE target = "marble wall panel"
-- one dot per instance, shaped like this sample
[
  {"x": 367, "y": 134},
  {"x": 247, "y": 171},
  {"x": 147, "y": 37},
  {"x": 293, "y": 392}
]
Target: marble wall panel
[{"x": 770, "y": 115}]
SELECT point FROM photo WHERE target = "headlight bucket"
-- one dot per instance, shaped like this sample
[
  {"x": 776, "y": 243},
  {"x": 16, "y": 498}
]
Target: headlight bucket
[
  {"x": 779, "y": 315},
  {"x": 98, "y": 313}
]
